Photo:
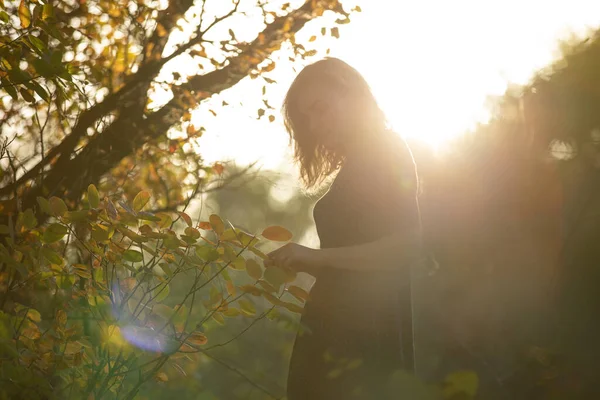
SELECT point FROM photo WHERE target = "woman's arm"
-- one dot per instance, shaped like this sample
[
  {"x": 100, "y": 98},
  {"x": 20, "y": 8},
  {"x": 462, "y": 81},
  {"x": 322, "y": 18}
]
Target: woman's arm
[{"x": 388, "y": 253}]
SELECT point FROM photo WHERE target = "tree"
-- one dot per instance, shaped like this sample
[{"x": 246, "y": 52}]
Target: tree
[{"x": 80, "y": 75}]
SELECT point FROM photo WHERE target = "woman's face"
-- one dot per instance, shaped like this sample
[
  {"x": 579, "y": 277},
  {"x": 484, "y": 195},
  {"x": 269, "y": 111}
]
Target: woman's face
[{"x": 326, "y": 115}]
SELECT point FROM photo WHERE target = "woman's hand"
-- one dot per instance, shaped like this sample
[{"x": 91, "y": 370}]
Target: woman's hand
[{"x": 295, "y": 256}]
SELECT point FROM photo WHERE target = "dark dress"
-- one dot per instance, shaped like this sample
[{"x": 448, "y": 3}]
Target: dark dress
[{"x": 357, "y": 319}]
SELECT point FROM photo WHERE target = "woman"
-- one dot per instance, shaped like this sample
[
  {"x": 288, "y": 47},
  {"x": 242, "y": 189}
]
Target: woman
[{"x": 359, "y": 315}]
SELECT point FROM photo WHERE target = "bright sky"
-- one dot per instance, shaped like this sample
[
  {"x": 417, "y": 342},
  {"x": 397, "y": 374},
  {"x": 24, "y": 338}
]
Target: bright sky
[{"x": 430, "y": 63}]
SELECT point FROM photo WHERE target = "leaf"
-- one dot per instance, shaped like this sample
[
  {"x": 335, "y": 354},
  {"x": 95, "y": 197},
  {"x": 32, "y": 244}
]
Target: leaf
[
  {"x": 93, "y": 196},
  {"x": 298, "y": 293},
  {"x": 267, "y": 286},
  {"x": 161, "y": 377},
  {"x": 231, "y": 312},
  {"x": 52, "y": 256},
  {"x": 27, "y": 96},
  {"x": 312, "y": 38},
  {"x": 335, "y": 32},
  {"x": 133, "y": 256},
  {"x": 186, "y": 218},
  {"x": 44, "y": 205},
  {"x": 261, "y": 112},
  {"x": 275, "y": 276},
  {"x": 277, "y": 234},
  {"x": 253, "y": 290},
  {"x": 34, "y": 315},
  {"x": 161, "y": 292},
  {"x": 100, "y": 232},
  {"x": 207, "y": 253},
  {"x": 24, "y": 14},
  {"x": 165, "y": 220},
  {"x": 128, "y": 284},
  {"x": 253, "y": 268},
  {"x": 61, "y": 318},
  {"x": 205, "y": 225},
  {"x": 28, "y": 219},
  {"x": 40, "y": 90},
  {"x": 247, "y": 307},
  {"x": 218, "y": 317},
  {"x": 54, "y": 233},
  {"x": 217, "y": 224},
  {"x": 58, "y": 207},
  {"x": 192, "y": 232},
  {"x": 140, "y": 200},
  {"x": 197, "y": 339},
  {"x": 460, "y": 383}
]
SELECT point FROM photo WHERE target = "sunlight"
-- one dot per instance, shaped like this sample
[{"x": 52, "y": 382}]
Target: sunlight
[{"x": 432, "y": 66}]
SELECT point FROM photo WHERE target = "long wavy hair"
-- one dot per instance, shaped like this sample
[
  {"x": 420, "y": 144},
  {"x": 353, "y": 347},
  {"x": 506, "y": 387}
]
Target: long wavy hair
[{"x": 328, "y": 80}]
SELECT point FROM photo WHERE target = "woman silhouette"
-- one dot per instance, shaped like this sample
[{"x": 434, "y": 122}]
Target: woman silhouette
[{"x": 358, "y": 318}]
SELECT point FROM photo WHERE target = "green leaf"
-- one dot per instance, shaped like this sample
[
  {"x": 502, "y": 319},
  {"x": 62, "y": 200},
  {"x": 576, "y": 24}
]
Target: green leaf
[
  {"x": 28, "y": 219},
  {"x": 10, "y": 89},
  {"x": 54, "y": 233},
  {"x": 27, "y": 96},
  {"x": 40, "y": 90},
  {"x": 101, "y": 232},
  {"x": 141, "y": 200},
  {"x": 52, "y": 256},
  {"x": 3, "y": 17},
  {"x": 44, "y": 205},
  {"x": 47, "y": 11},
  {"x": 275, "y": 276},
  {"x": 253, "y": 269},
  {"x": 207, "y": 253},
  {"x": 133, "y": 256},
  {"x": 57, "y": 207},
  {"x": 24, "y": 14},
  {"x": 37, "y": 43},
  {"x": 161, "y": 292},
  {"x": 93, "y": 196}
]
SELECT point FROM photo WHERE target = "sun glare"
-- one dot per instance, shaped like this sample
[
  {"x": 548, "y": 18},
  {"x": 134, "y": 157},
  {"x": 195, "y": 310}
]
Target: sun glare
[{"x": 432, "y": 66}]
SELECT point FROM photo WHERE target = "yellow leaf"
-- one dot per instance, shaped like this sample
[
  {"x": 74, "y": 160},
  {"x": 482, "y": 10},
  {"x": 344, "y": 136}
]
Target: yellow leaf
[
  {"x": 197, "y": 339},
  {"x": 24, "y": 14},
  {"x": 93, "y": 196},
  {"x": 231, "y": 312},
  {"x": 61, "y": 318},
  {"x": 161, "y": 377},
  {"x": 217, "y": 224},
  {"x": 34, "y": 315},
  {"x": 312, "y": 38},
  {"x": 277, "y": 234},
  {"x": 298, "y": 293},
  {"x": 140, "y": 200},
  {"x": 460, "y": 383}
]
